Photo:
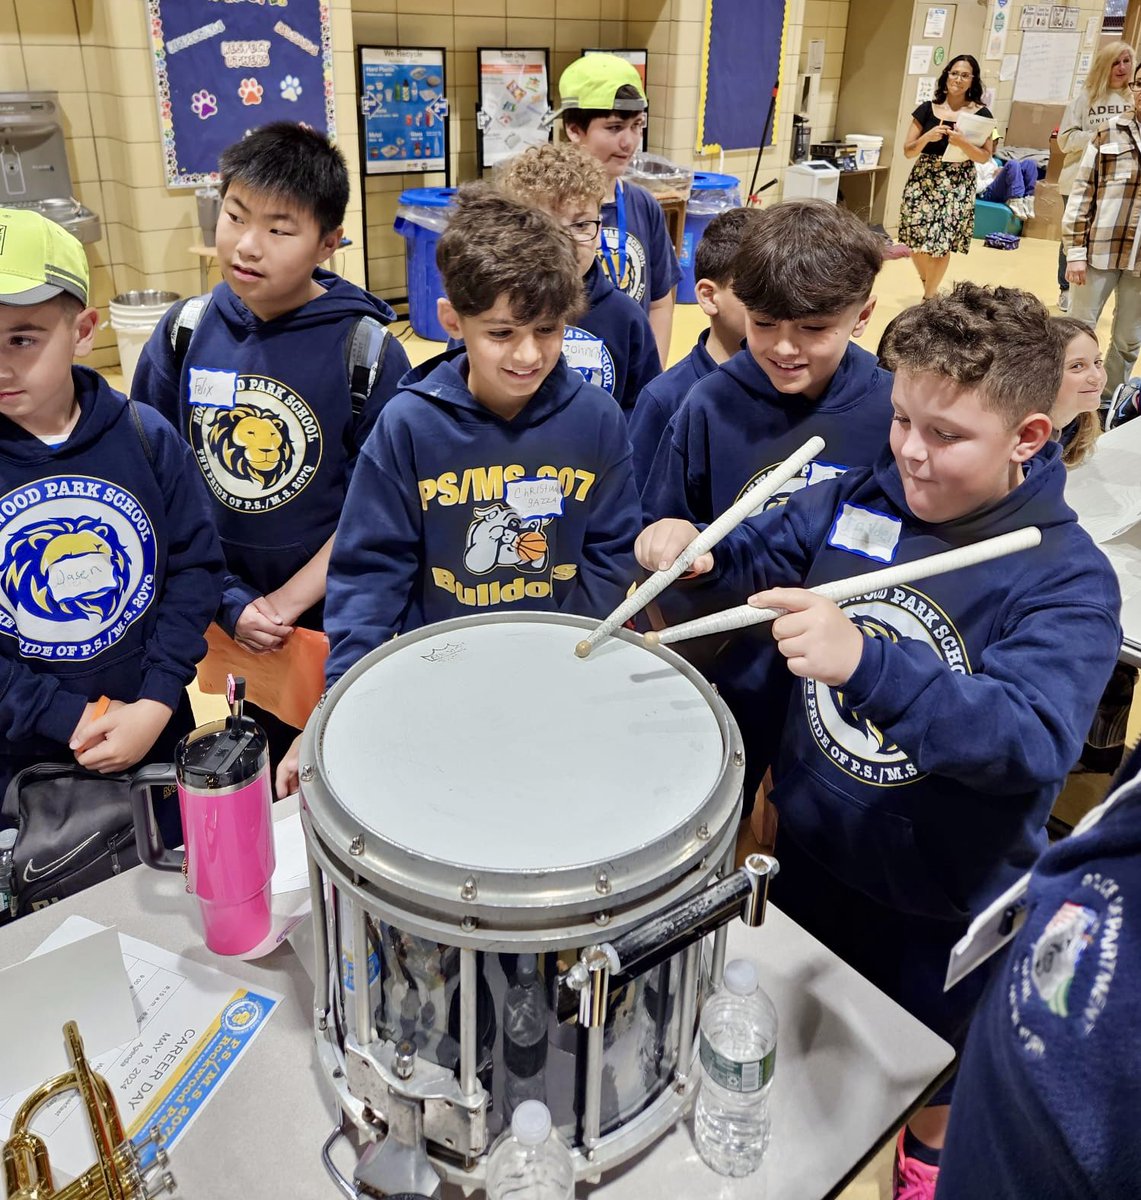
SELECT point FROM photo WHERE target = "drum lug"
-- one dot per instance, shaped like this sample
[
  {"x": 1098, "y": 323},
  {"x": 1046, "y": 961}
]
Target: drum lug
[
  {"x": 738, "y": 758},
  {"x": 306, "y": 774},
  {"x": 469, "y": 890}
]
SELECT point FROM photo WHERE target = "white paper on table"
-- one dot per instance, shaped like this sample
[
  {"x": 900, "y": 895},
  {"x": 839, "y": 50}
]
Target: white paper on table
[
  {"x": 1105, "y": 491},
  {"x": 920, "y": 61},
  {"x": 194, "y": 1024},
  {"x": 935, "y": 23},
  {"x": 291, "y": 870},
  {"x": 38, "y": 996}
]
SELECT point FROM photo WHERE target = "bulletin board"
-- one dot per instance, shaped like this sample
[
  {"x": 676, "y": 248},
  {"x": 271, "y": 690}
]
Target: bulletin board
[
  {"x": 223, "y": 69},
  {"x": 1046, "y": 67},
  {"x": 404, "y": 110},
  {"x": 513, "y": 103}
]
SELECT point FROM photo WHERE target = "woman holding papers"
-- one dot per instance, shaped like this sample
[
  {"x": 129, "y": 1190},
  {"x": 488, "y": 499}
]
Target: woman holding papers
[{"x": 948, "y": 135}]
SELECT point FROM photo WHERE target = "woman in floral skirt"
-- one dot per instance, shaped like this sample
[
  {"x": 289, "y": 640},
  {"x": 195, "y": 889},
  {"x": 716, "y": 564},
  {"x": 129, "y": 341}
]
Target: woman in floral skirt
[{"x": 938, "y": 210}]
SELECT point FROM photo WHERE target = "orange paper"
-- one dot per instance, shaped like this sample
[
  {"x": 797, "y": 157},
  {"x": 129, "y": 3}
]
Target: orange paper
[{"x": 288, "y": 682}]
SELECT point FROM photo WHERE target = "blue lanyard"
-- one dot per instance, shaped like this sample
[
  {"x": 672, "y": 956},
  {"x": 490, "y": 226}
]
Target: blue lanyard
[{"x": 607, "y": 255}]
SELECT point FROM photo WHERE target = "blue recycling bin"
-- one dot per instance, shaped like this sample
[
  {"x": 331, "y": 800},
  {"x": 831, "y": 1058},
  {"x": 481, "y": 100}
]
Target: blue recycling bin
[
  {"x": 422, "y": 214},
  {"x": 711, "y": 194}
]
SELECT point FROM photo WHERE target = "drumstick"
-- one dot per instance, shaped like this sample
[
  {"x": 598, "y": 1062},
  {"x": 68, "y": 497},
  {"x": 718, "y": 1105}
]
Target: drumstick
[
  {"x": 858, "y": 585},
  {"x": 705, "y": 540}
]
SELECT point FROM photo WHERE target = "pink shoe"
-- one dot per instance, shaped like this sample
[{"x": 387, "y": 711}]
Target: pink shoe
[{"x": 910, "y": 1178}]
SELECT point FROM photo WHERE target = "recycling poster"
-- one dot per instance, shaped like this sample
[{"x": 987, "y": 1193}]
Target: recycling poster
[
  {"x": 224, "y": 69},
  {"x": 513, "y": 102},
  {"x": 403, "y": 110}
]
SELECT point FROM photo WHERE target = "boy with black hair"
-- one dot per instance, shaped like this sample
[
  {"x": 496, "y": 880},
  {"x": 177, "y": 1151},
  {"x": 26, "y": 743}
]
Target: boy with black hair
[
  {"x": 611, "y": 344},
  {"x": 935, "y": 725},
  {"x": 270, "y": 387},
  {"x": 804, "y": 274},
  {"x": 497, "y": 478},
  {"x": 713, "y": 272},
  {"x": 110, "y": 569},
  {"x": 603, "y": 110}
]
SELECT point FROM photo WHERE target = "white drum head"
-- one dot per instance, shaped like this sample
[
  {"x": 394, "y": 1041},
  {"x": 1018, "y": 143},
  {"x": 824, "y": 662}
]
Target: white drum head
[{"x": 493, "y": 747}]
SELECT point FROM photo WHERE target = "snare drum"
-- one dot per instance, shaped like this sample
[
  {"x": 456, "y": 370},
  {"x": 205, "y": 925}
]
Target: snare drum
[{"x": 480, "y": 805}]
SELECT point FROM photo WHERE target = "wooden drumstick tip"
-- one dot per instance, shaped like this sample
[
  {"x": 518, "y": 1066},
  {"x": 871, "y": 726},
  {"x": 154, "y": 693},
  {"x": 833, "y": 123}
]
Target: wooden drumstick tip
[
  {"x": 582, "y": 649},
  {"x": 653, "y": 638}
]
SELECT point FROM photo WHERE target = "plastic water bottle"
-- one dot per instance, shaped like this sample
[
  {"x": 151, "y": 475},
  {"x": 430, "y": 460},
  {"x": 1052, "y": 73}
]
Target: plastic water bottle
[
  {"x": 531, "y": 1161},
  {"x": 525, "y": 1018},
  {"x": 738, "y": 1050},
  {"x": 7, "y": 874}
]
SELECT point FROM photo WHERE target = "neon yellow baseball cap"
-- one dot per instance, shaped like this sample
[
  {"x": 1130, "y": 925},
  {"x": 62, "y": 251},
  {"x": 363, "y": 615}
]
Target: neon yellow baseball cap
[
  {"x": 39, "y": 259},
  {"x": 591, "y": 82}
]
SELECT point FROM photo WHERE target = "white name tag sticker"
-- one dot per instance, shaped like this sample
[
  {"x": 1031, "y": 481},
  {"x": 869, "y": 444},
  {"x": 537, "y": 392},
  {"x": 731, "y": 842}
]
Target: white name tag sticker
[
  {"x": 584, "y": 351},
  {"x": 818, "y": 472},
  {"x": 866, "y": 532},
  {"x": 216, "y": 388},
  {"x": 988, "y": 932},
  {"x": 535, "y": 497},
  {"x": 80, "y": 575}
]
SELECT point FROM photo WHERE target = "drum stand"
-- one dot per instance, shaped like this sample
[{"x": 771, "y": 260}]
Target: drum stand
[{"x": 415, "y": 1101}]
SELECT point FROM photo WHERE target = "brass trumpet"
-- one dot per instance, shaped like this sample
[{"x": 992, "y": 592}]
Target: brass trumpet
[{"x": 117, "y": 1175}]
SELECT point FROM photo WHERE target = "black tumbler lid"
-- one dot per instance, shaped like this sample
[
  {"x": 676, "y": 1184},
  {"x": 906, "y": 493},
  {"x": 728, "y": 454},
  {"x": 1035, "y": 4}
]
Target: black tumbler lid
[{"x": 222, "y": 754}]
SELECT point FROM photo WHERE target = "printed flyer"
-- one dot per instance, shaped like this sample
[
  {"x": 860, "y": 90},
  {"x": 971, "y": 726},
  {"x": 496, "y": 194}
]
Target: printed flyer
[{"x": 403, "y": 109}]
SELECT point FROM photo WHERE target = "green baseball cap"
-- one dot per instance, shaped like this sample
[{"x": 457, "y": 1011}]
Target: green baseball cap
[
  {"x": 591, "y": 82},
  {"x": 39, "y": 259}
]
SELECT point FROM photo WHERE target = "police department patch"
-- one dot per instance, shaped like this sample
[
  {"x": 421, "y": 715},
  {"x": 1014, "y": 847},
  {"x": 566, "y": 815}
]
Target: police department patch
[
  {"x": 261, "y": 452},
  {"x": 853, "y": 743},
  {"x": 77, "y": 566}
]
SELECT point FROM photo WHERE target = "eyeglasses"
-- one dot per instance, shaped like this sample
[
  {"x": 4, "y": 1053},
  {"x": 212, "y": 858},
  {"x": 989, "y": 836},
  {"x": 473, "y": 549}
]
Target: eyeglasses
[
  {"x": 961, "y": 75},
  {"x": 583, "y": 231},
  {"x": 1134, "y": 85}
]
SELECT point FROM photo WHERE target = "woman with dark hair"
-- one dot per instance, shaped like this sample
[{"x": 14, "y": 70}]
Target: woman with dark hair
[{"x": 938, "y": 209}]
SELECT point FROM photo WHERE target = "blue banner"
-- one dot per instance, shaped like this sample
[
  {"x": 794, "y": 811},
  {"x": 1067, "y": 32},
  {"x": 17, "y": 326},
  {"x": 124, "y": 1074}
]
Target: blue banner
[
  {"x": 222, "y": 69},
  {"x": 740, "y": 71}
]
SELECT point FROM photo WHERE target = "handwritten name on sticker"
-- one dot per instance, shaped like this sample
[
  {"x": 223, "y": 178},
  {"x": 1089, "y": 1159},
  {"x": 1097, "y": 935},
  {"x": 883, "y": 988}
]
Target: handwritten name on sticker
[
  {"x": 535, "y": 497},
  {"x": 867, "y": 532},
  {"x": 298, "y": 39},
  {"x": 246, "y": 54},
  {"x": 215, "y": 388},
  {"x": 818, "y": 472},
  {"x": 201, "y": 34}
]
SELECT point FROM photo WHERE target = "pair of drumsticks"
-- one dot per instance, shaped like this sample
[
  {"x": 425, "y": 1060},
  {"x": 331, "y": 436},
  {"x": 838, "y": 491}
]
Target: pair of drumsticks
[{"x": 838, "y": 590}]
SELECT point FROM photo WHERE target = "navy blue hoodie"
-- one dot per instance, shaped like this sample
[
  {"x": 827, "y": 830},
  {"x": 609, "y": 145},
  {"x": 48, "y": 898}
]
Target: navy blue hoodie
[
  {"x": 454, "y": 511},
  {"x": 651, "y": 266},
  {"x": 926, "y": 780},
  {"x": 732, "y": 430},
  {"x": 275, "y": 439},
  {"x": 659, "y": 400},
  {"x": 1047, "y": 1092},
  {"x": 110, "y": 570},
  {"x": 627, "y": 359}
]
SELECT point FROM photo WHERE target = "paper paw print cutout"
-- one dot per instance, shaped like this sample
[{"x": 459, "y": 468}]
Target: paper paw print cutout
[
  {"x": 204, "y": 104},
  {"x": 251, "y": 91},
  {"x": 290, "y": 87}
]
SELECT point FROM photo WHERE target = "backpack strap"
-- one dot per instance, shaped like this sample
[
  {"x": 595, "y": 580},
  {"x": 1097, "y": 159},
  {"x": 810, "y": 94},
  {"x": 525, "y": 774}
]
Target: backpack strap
[
  {"x": 365, "y": 349},
  {"x": 142, "y": 433},
  {"x": 184, "y": 318}
]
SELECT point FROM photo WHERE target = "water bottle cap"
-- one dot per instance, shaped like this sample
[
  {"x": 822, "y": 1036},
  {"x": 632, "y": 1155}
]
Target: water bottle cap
[
  {"x": 531, "y": 1123},
  {"x": 8, "y": 838},
  {"x": 741, "y": 977},
  {"x": 525, "y": 968}
]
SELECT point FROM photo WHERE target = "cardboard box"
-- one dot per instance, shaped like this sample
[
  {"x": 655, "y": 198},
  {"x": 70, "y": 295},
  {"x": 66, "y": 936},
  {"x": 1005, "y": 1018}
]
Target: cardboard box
[
  {"x": 1031, "y": 124},
  {"x": 1048, "y": 209},
  {"x": 1057, "y": 159}
]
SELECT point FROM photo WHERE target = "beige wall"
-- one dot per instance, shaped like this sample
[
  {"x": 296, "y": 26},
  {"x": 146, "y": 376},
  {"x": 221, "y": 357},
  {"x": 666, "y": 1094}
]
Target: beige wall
[{"x": 96, "y": 54}]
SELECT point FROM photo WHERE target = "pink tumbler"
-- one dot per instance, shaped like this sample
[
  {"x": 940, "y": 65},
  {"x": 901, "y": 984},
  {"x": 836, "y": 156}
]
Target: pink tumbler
[{"x": 222, "y": 774}]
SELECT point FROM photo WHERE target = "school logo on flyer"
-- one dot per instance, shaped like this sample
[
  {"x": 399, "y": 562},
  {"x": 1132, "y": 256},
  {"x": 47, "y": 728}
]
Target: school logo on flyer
[
  {"x": 853, "y": 743},
  {"x": 77, "y": 566},
  {"x": 589, "y": 356},
  {"x": 632, "y": 278},
  {"x": 259, "y": 451}
]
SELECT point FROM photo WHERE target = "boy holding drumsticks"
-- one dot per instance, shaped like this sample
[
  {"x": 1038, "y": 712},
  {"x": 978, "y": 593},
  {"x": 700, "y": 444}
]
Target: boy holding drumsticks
[{"x": 932, "y": 729}]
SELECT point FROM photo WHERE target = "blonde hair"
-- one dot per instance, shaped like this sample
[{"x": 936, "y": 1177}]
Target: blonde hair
[
  {"x": 1097, "y": 81},
  {"x": 553, "y": 176}
]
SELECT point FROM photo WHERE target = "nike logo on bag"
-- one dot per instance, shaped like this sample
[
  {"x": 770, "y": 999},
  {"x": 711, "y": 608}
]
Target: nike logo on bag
[{"x": 32, "y": 872}]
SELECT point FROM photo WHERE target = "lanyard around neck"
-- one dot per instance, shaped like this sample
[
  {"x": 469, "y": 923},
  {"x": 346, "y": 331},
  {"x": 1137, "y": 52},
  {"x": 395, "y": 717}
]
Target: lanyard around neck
[{"x": 617, "y": 274}]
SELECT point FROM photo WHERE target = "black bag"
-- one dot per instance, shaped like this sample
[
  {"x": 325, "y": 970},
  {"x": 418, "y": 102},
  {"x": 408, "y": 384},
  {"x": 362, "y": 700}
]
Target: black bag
[{"x": 75, "y": 829}]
